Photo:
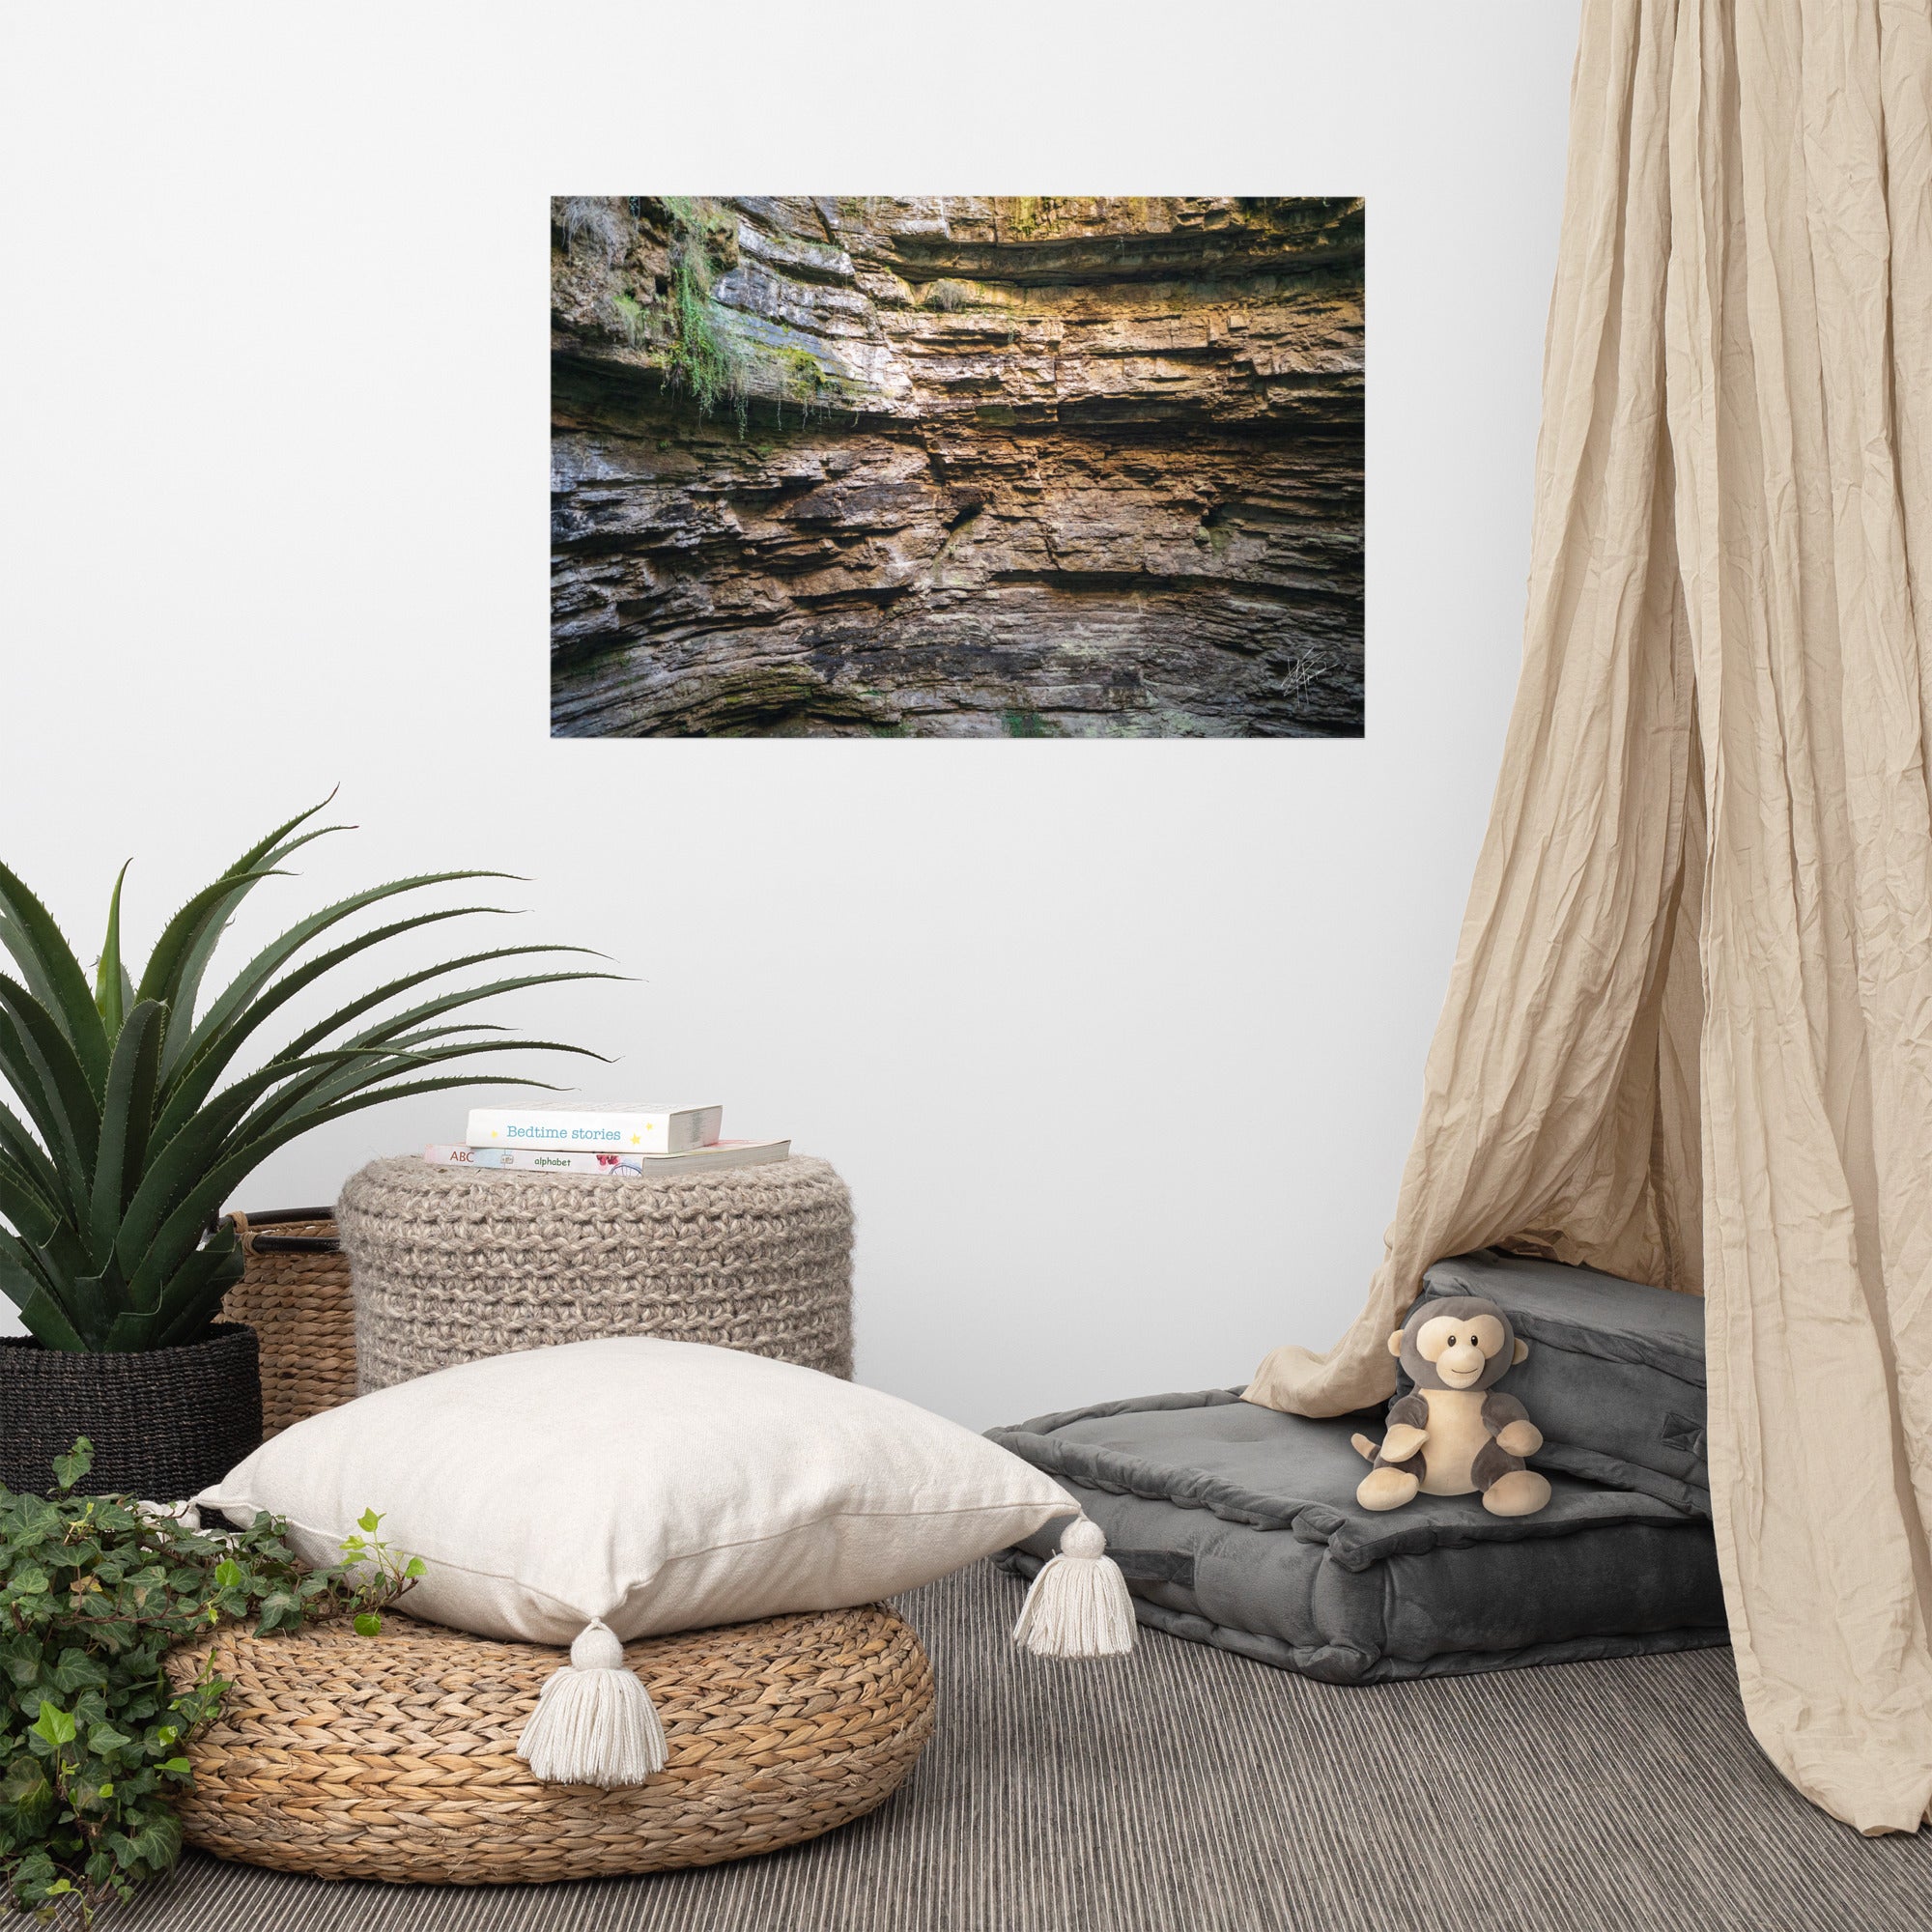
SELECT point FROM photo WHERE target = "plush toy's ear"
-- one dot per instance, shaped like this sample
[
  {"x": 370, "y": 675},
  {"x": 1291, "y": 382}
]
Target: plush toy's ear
[
  {"x": 1522, "y": 1353},
  {"x": 1395, "y": 1343}
]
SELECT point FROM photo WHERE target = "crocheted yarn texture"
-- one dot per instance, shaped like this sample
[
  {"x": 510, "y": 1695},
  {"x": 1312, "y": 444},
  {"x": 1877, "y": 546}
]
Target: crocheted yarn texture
[{"x": 454, "y": 1264}]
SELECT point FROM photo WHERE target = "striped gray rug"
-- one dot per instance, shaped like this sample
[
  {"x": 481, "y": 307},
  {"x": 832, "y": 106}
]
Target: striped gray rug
[{"x": 1189, "y": 1791}]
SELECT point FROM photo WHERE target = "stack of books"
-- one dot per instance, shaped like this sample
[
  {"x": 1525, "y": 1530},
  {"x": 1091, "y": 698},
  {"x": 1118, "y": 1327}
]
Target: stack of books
[{"x": 603, "y": 1140}]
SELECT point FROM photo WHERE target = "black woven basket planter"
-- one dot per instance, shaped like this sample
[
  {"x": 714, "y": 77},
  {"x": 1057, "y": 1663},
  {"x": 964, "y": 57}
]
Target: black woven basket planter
[{"x": 164, "y": 1423}]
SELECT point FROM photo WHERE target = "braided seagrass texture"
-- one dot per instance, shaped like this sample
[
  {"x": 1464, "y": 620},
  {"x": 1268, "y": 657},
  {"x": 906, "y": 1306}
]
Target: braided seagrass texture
[
  {"x": 302, "y": 1311},
  {"x": 394, "y": 1757},
  {"x": 454, "y": 1264}
]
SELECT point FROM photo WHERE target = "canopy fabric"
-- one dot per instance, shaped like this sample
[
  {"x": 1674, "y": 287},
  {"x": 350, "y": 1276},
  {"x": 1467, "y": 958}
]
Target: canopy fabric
[{"x": 1689, "y": 1031}]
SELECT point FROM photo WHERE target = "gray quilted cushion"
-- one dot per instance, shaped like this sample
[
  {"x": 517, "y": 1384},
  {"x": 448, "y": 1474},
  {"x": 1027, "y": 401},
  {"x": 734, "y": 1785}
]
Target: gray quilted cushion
[
  {"x": 1615, "y": 1374},
  {"x": 1238, "y": 1526}
]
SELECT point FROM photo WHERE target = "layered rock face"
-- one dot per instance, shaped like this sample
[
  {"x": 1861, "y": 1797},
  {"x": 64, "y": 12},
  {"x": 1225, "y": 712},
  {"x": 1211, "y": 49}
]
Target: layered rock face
[{"x": 957, "y": 467}]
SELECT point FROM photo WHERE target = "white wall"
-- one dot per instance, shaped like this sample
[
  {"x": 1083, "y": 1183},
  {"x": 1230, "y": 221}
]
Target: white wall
[{"x": 1118, "y": 1045}]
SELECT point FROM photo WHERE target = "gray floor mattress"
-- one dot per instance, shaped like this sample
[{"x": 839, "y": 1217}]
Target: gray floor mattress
[{"x": 1238, "y": 1527}]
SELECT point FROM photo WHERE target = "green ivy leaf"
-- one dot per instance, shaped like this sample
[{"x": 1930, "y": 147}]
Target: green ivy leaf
[
  {"x": 70, "y": 1468},
  {"x": 228, "y": 1574},
  {"x": 368, "y": 1522},
  {"x": 176, "y": 1767},
  {"x": 154, "y": 1845},
  {"x": 54, "y": 1725},
  {"x": 22, "y": 1661},
  {"x": 35, "y": 1876},
  {"x": 24, "y": 1783},
  {"x": 368, "y": 1624},
  {"x": 415, "y": 1568},
  {"x": 75, "y": 1670},
  {"x": 84, "y": 1794}
]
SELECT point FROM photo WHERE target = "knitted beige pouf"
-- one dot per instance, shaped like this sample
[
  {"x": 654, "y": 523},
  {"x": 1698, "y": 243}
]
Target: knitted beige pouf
[
  {"x": 394, "y": 1757},
  {"x": 453, "y": 1263}
]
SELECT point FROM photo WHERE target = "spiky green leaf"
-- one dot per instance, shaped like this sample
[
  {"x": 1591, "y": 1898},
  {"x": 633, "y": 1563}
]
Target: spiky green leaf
[
  {"x": 26, "y": 1284},
  {"x": 265, "y": 855},
  {"x": 161, "y": 979},
  {"x": 467, "y": 996},
  {"x": 48, "y": 965},
  {"x": 35, "y": 1221},
  {"x": 32, "y": 1180},
  {"x": 127, "y": 1113},
  {"x": 322, "y": 1088},
  {"x": 222, "y": 1180},
  {"x": 110, "y": 976},
  {"x": 178, "y": 1302},
  {"x": 47, "y": 1322},
  {"x": 40, "y": 1066},
  {"x": 224, "y": 1030},
  {"x": 177, "y": 1157},
  {"x": 273, "y": 958}
]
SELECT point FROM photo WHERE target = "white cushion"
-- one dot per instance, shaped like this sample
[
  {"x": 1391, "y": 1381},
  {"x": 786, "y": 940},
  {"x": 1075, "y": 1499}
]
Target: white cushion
[{"x": 655, "y": 1486}]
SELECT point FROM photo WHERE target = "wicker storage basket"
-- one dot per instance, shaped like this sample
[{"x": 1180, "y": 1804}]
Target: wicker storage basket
[
  {"x": 296, "y": 1297},
  {"x": 394, "y": 1757}
]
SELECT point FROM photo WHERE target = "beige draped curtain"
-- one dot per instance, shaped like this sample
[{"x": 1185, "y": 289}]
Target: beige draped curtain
[{"x": 1688, "y": 1032}]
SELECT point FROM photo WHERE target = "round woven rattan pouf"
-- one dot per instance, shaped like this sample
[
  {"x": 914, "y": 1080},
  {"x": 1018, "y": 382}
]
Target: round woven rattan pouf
[
  {"x": 394, "y": 1757},
  {"x": 452, "y": 1263}
]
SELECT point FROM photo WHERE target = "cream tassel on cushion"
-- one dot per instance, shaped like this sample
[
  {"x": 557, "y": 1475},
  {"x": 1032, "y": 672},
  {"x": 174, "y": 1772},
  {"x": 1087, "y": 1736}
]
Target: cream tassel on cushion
[
  {"x": 594, "y": 1722},
  {"x": 1078, "y": 1605}
]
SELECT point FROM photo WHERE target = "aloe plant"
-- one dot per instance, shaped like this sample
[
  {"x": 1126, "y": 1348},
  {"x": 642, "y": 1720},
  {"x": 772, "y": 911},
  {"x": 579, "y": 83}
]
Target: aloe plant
[{"x": 124, "y": 1142}]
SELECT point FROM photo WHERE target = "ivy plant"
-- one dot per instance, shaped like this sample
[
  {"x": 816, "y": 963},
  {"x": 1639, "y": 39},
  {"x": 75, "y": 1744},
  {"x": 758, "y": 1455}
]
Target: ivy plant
[{"x": 95, "y": 1591}]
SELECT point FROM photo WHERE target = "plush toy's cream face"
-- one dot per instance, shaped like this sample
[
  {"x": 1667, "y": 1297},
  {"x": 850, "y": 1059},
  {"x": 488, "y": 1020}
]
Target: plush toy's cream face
[
  {"x": 1460, "y": 1341},
  {"x": 1460, "y": 1348}
]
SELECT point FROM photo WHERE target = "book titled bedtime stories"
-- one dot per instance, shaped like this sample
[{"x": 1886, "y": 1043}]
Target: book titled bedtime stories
[
  {"x": 623, "y": 1130},
  {"x": 538, "y": 1160}
]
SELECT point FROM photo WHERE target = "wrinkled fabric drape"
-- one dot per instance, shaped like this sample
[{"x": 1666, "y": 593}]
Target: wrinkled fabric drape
[{"x": 1689, "y": 1031}]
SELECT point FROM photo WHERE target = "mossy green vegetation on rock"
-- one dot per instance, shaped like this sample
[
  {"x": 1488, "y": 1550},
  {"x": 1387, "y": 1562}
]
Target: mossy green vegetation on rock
[{"x": 699, "y": 359}]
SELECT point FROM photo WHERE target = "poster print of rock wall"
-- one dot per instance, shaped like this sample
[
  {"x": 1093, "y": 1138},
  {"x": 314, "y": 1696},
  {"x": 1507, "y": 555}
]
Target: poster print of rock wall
[{"x": 956, "y": 466}]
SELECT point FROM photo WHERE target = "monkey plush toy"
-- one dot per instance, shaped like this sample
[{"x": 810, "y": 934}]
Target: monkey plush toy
[{"x": 1456, "y": 1433}]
